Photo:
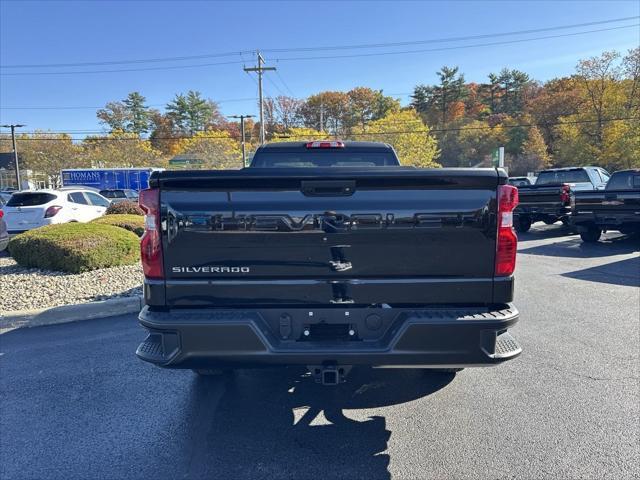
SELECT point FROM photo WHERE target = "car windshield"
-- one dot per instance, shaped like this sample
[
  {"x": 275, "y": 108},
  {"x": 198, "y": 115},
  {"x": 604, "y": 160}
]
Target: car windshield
[
  {"x": 324, "y": 158},
  {"x": 113, "y": 193},
  {"x": 29, "y": 199},
  {"x": 562, "y": 176}
]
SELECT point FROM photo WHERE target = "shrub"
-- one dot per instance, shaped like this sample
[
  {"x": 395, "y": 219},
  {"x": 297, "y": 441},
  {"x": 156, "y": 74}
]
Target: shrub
[
  {"x": 75, "y": 247},
  {"x": 133, "y": 223},
  {"x": 127, "y": 208}
]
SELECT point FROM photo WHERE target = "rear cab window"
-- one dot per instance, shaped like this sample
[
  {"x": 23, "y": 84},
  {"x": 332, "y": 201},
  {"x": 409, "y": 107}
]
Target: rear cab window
[
  {"x": 300, "y": 156},
  {"x": 559, "y": 177},
  {"x": 624, "y": 181},
  {"x": 30, "y": 199}
]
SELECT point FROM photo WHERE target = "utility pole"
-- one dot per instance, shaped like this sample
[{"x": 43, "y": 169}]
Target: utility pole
[
  {"x": 15, "y": 151},
  {"x": 260, "y": 68},
  {"x": 322, "y": 117},
  {"x": 242, "y": 142}
]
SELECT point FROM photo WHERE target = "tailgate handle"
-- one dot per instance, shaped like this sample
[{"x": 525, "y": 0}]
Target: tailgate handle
[{"x": 328, "y": 188}]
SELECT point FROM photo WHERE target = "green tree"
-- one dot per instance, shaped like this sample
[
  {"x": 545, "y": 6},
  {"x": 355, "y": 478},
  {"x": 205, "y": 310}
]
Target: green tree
[
  {"x": 192, "y": 113},
  {"x": 138, "y": 114},
  {"x": 434, "y": 102}
]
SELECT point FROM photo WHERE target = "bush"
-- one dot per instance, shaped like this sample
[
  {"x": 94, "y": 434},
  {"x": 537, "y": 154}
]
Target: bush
[
  {"x": 124, "y": 208},
  {"x": 75, "y": 247},
  {"x": 133, "y": 223}
]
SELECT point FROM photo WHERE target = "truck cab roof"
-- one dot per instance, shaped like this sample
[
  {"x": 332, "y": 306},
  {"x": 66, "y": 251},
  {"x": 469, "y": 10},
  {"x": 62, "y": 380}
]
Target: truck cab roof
[
  {"x": 324, "y": 153},
  {"x": 347, "y": 144}
]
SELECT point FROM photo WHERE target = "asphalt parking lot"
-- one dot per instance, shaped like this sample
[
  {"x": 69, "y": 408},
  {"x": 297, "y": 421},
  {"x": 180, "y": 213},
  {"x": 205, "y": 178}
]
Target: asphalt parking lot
[{"x": 76, "y": 403}]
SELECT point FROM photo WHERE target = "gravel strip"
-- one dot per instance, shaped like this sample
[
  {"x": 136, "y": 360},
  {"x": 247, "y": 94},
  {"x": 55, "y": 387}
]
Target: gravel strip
[{"x": 32, "y": 288}]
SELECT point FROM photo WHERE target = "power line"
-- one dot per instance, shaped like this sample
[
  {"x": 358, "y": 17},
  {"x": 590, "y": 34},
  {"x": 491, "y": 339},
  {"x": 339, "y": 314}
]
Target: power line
[
  {"x": 460, "y": 47},
  {"x": 450, "y": 39},
  {"x": 128, "y": 62},
  {"x": 327, "y": 57},
  {"x": 321, "y": 48},
  {"x": 285, "y": 84},
  {"x": 77, "y": 72},
  {"x": 277, "y": 87},
  {"x": 359, "y": 134},
  {"x": 246, "y": 99}
]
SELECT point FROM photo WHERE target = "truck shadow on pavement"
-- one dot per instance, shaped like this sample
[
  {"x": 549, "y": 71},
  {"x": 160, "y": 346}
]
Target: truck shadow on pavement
[
  {"x": 540, "y": 231},
  {"x": 276, "y": 423},
  {"x": 576, "y": 248},
  {"x": 625, "y": 273}
]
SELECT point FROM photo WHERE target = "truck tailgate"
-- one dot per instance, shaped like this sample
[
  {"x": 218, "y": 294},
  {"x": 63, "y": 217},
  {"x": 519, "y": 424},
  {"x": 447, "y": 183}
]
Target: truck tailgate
[{"x": 401, "y": 236}]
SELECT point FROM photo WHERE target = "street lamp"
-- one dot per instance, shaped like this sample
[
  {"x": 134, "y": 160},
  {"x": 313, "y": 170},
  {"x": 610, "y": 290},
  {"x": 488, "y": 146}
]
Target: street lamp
[{"x": 15, "y": 152}]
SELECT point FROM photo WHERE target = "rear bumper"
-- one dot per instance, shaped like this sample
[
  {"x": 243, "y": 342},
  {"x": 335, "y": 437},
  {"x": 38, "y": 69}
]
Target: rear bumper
[
  {"x": 543, "y": 211},
  {"x": 604, "y": 221},
  {"x": 438, "y": 337}
]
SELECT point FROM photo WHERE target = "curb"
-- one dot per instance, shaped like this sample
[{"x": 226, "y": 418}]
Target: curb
[{"x": 70, "y": 313}]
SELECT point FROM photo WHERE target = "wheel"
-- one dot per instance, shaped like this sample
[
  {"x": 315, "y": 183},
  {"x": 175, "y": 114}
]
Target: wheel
[
  {"x": 446, "y": 370},
  {"x": 550, "y": 221},
  {"x": 523, "y": 224},
  {"x": 591, "y": 235}
]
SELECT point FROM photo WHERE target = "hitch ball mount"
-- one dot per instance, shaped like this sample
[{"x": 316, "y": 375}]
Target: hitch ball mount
[{"x": 329, "y": 374}]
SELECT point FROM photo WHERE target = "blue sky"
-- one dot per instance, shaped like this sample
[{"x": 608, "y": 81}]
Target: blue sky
[{"x": 52, "y": 32}]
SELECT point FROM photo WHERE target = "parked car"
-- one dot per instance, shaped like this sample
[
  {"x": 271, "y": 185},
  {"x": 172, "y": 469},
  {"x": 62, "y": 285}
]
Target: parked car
[
  {"x": 617, "y": 207},
  {"x": 549, "y": 199},
  {"x": 32, "y": 209},
  {"x": 4, "y": 234},
  {"x": 120, "y": 195},
  {"x": 328, "y": 254}
]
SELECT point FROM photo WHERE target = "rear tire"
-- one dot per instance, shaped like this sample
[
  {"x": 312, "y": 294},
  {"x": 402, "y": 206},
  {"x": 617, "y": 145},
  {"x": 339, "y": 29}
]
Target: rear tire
[
  {"x": 523, "y": 224},
  {"x": 592, "y": 235},
  {"x": 446, "y": 370}
]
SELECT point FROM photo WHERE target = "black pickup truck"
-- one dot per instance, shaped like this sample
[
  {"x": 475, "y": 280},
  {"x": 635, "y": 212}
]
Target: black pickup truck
[
  {"x": 328, "y": 255},
  {"x": 549, "y": 199},
  {"x": 617, "y": 207}
]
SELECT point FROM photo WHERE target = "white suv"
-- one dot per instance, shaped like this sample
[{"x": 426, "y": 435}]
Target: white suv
[{"x": 32, "y": 209}]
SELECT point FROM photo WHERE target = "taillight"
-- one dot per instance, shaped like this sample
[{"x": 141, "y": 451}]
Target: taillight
[
  {"x": 51, "y": 211},
  {"x": 507, "y": 240},
  {"x": 151, "y": 241},
  {"x": 325, "y": 145},
  {"x": 564, "y": 194},
  {"x": 1, "y": 214}
]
